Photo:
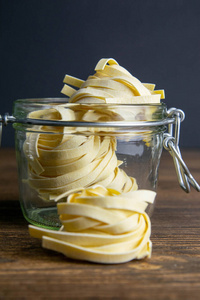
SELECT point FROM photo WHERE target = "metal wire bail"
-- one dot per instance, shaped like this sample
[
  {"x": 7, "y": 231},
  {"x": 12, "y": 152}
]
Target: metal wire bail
[{"x": 171, "y": 143}]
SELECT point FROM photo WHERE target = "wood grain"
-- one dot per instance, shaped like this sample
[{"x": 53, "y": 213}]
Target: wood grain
[{"x": 27, "y": 271}]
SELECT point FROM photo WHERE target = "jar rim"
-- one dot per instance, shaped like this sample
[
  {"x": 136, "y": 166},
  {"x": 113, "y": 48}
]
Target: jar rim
[
  {"x": 59, "y": 100},
  {"x": 139, "y": 115}
]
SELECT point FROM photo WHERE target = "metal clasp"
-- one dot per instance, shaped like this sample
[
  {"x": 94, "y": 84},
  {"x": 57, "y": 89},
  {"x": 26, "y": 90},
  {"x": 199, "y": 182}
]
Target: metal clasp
[
  {"x": 3, "y": 120},
  {"x": 171, "y": 143}
]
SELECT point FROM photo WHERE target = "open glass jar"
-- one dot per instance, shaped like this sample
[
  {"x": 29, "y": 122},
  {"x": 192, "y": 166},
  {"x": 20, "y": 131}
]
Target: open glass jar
[{"x": 62, "y": 146}]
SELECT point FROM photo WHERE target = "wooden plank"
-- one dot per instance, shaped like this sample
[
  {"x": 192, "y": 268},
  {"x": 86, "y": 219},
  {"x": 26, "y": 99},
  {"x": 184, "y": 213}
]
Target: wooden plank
[{"x": 29, "y": 271}]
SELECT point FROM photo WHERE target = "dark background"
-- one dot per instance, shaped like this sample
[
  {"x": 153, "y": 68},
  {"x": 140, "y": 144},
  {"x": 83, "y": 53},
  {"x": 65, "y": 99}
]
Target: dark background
[{"x": 157, "y": 41}]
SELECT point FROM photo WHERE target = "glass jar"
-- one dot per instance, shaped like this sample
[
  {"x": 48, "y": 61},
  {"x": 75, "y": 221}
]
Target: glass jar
[{"x": 62, "y": 146}]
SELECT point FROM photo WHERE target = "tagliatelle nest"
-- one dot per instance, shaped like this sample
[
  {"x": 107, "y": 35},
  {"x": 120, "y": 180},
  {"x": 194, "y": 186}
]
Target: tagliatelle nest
[{"x": 101, "y": 225}]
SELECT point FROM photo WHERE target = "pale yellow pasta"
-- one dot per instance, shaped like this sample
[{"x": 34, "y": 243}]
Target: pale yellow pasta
[
  {"x": 112, "y": 84},
  {"x": 101, "y": 225},
  {"x": 100, "y": 207},
  {"x": 59, "y": 163}
]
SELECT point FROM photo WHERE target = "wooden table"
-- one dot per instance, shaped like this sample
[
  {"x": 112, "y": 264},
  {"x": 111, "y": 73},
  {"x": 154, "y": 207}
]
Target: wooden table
[{"x": 27, "y": 271}]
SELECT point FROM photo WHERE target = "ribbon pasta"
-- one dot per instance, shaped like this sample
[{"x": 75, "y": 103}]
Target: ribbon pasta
[
  {"x": 100, "y": 207},
  {"x": 59, "y": 159},
  {"x": 111, "y": 84},
  {"x": 101, "y": 225},
  {"x": 57, "y": 165}
]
